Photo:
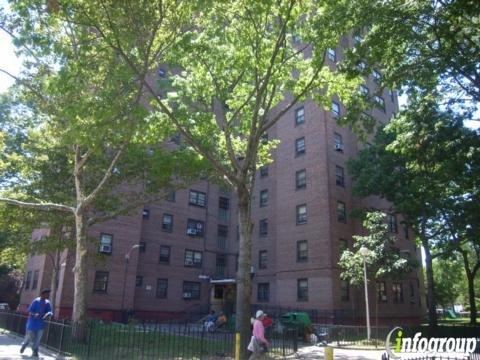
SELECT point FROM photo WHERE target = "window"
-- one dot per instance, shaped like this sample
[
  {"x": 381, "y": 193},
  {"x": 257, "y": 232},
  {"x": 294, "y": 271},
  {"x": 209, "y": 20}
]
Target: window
[
  {"x": 106, "y": 243},
  {"x": 301, "y": 214},
  {"x": 357, "y": 38},
  {"x": 332, "y": 54},
  {"x": 264, "y": 138},
  {"x": 138, "y": 281},
  {"x": 405, "y": 230},
  {"x": 302, "y": 251},
  {"x": 412, "y": 293},
  {"x": 377, "y": 77},
  {"x": 146, "y": 214},
  {"x": 222, "y": 231},
  {"x": 101, "y": 282},
  {"x": 262, "y": 259},
  {"x": 263, "y": 292},
  {"x": 220, "y": 265},
  {"x": 223, "y": 208},
  {"x": 342, "y": 246},
  {"x": 263, "y": 228},
  {"x": 397, "y": 292},
  {"x": 263, "y": 198},
  {"x": 36, "y": 273},
  {"x": 195, "y": 227},
  {"x": 301, "y": 179},
  {"x": 197, "y": 198},
  {"x": 364, "y": 90},
  {"x": 162, "y": 288},
  {"x": 28, "y": 280},
  {"x": 338, "y": 142},
  {"x": 171, "y": 196},
  {"x": 264, "y": 171},
  {"x": 381, "y": 291},
  {"x": 162, "y": 73},
  {"x": 392, "y": 223},
  {"x": 379, "y": 102},
  {"x": 164, "y": 257},
  {"x": 344, "y": 290},
  {"x": 193, "y": 258},
  {"x": 167, "y": 222},
  {"x": 339, "y": 176},
  {"x": 296, "y": 38},
  {"x": 335, "y": 110},
  {"x": 341, "y": 212},
  {"x": 191, "y": 290},
  {"x": 361, "y": 66},
  {"x": 300, "y": 146},
  {"x": 142, "y": 246},
  {"x": 300, "y": 116},
  {"x": 302, "y": 290}
]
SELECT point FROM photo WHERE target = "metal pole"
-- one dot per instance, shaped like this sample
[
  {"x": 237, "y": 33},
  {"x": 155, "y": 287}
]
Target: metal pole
[{"x": 367, "y": 312}]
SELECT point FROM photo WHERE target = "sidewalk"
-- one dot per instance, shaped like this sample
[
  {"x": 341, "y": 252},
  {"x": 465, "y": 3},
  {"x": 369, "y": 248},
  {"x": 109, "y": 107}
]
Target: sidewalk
[
  {"x": 316, "y": 352},
  {"x": 10, "y": 349}
]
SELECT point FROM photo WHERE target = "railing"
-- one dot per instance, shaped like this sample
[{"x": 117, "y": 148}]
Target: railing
[
  {"x": 317, "y": 316},
  {"x": 99, "y": 340},
  {"x": 352, "y": 336}
]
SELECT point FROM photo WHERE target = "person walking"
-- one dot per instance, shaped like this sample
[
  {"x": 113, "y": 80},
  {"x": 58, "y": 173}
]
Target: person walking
[
  {"x": 258, "y": 343},
  {"x": 38, "y": 311}
]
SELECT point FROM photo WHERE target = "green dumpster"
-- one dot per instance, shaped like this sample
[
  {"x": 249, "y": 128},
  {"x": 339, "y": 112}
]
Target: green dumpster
[{"x": 298, "y": 320}]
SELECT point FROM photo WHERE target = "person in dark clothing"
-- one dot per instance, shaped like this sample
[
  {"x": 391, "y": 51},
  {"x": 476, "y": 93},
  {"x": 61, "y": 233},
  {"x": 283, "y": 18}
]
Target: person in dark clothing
[{"x": 38, "y": 312}]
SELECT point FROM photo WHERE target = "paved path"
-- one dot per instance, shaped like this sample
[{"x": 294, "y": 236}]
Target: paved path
[
  {"x": 10, "y": 349},
  {"x": 316, "y": 352}
]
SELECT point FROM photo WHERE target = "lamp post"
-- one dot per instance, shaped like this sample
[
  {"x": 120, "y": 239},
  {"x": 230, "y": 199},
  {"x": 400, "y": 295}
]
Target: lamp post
[
  {"x": 127, "y": 258},
  {"x": 364, "y": 252}
]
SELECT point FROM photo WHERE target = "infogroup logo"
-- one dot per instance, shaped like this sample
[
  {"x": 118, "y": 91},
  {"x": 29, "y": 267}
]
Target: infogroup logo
[{"x": 405, "y": 347}]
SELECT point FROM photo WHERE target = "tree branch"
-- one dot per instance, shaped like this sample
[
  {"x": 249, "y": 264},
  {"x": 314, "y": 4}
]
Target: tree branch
[{"x": 38, "y": 206}]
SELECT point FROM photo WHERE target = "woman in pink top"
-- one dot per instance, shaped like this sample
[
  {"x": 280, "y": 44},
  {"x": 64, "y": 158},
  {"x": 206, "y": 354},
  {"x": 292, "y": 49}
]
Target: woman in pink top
[{"x": 258, "y": 341}]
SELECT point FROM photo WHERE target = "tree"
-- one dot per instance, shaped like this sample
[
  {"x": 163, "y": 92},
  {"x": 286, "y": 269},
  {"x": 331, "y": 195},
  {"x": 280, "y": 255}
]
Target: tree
[
  {"x": 71, "y": 160},
  {"x": 385, "y": 260},
  {"x": 419, "y": 162},
  {"x": 427, "y": 44},
  {"x": 449, "y": 280},
  {"x": 235, "y": 69}
]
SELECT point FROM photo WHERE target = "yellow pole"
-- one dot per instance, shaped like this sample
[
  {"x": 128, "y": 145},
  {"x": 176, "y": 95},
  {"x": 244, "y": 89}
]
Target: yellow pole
[
  {"x": 237, "y": 346},
  {"x": 328, "y": 353}
]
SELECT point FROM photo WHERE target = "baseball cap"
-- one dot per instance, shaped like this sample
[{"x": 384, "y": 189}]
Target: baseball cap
[{"x": 259, "y": 313}]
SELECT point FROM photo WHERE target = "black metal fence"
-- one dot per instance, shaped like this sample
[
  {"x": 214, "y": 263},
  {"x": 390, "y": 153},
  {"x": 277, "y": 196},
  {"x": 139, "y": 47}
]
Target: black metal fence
[
  {"x": 352, "y": 336},
  {"x": 100, "y": 340},
  {"x": 317, "y": 316}
]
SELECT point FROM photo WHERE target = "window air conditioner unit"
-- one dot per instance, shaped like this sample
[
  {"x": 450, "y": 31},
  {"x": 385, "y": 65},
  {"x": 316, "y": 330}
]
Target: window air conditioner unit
[
  {"x": 339, "y": 147},
  {"x": 105, "y": 249},
  {"x": 187, "y": 295},
  {"x": 191, "y": 231},
  {"x": 189, "y": 262}
]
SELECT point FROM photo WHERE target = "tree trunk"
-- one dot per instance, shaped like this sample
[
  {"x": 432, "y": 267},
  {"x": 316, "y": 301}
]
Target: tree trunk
[
  {"x": 79, "y": 314},
  {"x": 54, "y": 280},
  {"x": 471, "y": 288},
  {"x": 432, "y": 311},
  {"x": 244, "y": 285}
]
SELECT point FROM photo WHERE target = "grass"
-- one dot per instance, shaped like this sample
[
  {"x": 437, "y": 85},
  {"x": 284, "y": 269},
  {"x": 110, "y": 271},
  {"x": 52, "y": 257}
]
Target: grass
[{"x": 125, "y": 342}]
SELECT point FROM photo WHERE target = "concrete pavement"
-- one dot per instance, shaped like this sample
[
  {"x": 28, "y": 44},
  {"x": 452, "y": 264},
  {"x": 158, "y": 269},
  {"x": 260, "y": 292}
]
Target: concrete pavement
[
  {"x": 10, "y": 349},
  {"x": 317, "y": 352}
]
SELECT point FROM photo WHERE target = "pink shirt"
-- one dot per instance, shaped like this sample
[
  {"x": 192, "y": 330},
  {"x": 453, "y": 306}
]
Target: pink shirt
[{"x": 259, "y": 331}]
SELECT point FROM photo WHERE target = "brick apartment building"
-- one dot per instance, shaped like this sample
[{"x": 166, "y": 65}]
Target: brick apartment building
[{"x": 186, "y": 258}]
